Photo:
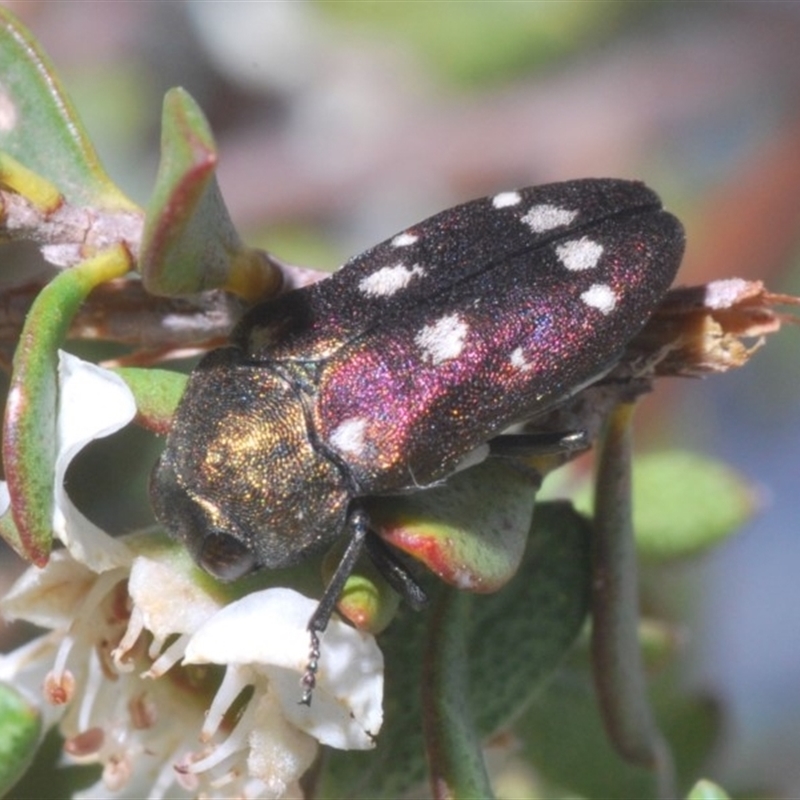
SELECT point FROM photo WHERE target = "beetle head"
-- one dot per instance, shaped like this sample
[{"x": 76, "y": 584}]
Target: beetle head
[{"x": 240, "y": 483}]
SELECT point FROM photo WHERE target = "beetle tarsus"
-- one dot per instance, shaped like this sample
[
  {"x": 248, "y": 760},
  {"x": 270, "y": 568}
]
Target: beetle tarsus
[
  {"x": 358, "y": 524},
  {"x": 309, "y": 679}
]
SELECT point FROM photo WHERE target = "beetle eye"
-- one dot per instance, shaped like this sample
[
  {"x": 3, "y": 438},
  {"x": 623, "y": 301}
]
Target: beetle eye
[{"x": 225, "y": 557}]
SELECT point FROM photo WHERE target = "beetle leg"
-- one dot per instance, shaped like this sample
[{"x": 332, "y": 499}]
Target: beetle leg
[
  {"x": 518, "y": 445},
  {"x": 389, "y": 565},
  {"x": 395, "y": 571},
  {"x": 358, "y": 523}
]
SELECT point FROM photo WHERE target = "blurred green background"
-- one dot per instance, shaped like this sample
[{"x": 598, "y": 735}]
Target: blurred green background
[{"x": 340, "y": 123}]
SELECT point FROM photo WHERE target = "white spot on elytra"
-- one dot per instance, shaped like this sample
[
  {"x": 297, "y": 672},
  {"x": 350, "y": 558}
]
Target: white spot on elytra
[
  {"x": 444, "y": 339},
  {"x": 579, "y": 254},
  {"x": 385, "y": 281},
  {"x": 545, "y": 217},
  {"x": 348, "y": 436},
  {"x": 519, "y": 361},
  {"x": 600, "y": 296},
  {"x": 506, "y": 199},
  {"x": 404, "y": 239}
]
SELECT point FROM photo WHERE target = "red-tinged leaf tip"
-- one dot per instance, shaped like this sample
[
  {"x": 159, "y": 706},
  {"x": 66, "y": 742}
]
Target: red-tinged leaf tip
[{"x": 471, "y": 531}]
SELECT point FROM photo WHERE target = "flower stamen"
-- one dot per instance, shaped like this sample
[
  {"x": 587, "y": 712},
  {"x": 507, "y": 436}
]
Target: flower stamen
[
  {"x": 86, "y": 744},
  {"x": 236, "y": 741},
  {"x": 117, "y": 772},
  {"x": 59, "y": 685},
  {"x": 167, "y": 660},
  {"x": 92, "y": 686},
  {"x": 143, "y": 711},
  {"x": 128, "y": 641},
  {"x": 234, "y": 680}
]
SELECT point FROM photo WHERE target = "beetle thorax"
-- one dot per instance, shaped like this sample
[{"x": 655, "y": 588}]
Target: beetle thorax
[{"x": 241, "y": 482}]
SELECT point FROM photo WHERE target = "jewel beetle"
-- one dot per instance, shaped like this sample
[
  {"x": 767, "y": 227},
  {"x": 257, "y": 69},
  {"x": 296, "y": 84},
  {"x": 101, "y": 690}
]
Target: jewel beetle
[{"x": 400, "y": 368}]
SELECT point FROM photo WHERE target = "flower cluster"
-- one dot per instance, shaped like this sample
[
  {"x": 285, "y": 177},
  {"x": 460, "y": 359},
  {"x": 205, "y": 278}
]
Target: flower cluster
[{"x": 153, "y": 671}]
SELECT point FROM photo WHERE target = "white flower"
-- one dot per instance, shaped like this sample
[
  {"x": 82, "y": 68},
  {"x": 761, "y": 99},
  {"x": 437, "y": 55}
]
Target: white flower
[
  {"x": 125, "y": 667},
  {"x": 92, "y": 403},
  {"x": 343, "y": 714}
]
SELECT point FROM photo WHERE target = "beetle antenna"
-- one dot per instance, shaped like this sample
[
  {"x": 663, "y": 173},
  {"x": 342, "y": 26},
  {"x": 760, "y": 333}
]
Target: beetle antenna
[{"x": 358, "y": 523}]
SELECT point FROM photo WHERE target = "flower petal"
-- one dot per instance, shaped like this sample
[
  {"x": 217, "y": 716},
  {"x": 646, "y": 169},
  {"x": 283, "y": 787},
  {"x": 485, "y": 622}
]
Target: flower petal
[
  {"x": 170, "y": 601},
  {"x": 26, "y": 669},
  {"x": 92, "y": 403},
  {"x": 279, "y": 752},
  {"x": 49, "y": 597},
  {"x": 267, "y": 629}
]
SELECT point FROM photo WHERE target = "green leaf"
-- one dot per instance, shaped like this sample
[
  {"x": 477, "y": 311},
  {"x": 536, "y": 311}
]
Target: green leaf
[
  {"x": 368, "y": 601},
  {"x": 564, "y": 738},
  {"x": 684, "y": 503},
  {"x": 188, "y": 236},
  {"x": 617, "y": 665},
  {"x": 453, "y": 744},
  {"x": 40, "y": 127},
  {"x": 480, "y": 42},
  {"x": 49, "y": 777},
  {"x": 29, "y": 432},
  {"x": 515, "y": 640},
  {"x": 471, "y": 531},
  {"x": 706, "y": 790},
  {"x": 661, "y": 642},
  {"x": 38, "y": 191},
  {"x": 519, "y": 635},
  {"x": 157, "y": 393},
  {"x": 189, "y": 243},
  {"x": 20, "y": 730}
]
